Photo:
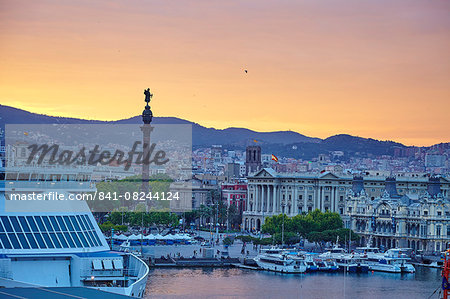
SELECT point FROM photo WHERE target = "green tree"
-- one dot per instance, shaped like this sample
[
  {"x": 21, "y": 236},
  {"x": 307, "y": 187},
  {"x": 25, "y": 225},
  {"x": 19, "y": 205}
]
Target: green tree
[{"x": 315, "y": 226}]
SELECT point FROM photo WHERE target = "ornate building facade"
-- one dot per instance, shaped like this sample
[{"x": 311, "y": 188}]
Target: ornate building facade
[
  {"x": 394, "y": 220},
  {"x": 271, "y": 193}
]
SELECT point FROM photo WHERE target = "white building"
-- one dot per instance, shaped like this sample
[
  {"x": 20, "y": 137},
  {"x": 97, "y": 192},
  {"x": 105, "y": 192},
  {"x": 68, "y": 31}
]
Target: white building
[
  {"x": 272, "y": 193},
  {"x": 394, "y": 220}
]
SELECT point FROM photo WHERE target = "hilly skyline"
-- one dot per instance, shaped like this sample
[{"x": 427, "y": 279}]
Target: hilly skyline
[
  {"x": 284, "y": 143},
  {"x": 366, "y": 68}
]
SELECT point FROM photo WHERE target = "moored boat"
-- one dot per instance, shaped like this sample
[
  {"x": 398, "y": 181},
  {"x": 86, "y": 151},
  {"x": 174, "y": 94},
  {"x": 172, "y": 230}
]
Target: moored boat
[{"x": 278, "y": 261}]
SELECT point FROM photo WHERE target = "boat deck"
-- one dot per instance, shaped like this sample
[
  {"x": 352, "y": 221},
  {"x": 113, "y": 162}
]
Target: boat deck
[{"x": 56, "y": 293}]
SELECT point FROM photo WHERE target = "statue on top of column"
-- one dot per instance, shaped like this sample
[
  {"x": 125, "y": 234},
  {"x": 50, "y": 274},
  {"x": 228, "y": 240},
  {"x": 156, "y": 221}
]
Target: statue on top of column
[{"x": 148, "y": 95}]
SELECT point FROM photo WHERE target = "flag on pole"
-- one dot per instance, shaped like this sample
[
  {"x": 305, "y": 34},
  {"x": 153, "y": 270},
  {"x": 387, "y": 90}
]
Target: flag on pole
[{"x": 274, "y": 158}]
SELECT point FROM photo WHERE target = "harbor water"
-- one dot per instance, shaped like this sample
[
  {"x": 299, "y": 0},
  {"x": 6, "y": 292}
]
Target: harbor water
[{"x": 241, "y": 283}]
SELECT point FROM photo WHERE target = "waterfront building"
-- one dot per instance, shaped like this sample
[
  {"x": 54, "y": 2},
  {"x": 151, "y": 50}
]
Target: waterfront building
[
  {"x": 235, "y": 194},
  {"x": 393, "y": 220},
  {"x": 272, "y": 193}
]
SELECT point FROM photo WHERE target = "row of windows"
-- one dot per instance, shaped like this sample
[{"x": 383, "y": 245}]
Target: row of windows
[
  {"x": 45, "y": 223},
  {"x": 42, "y": 232}
]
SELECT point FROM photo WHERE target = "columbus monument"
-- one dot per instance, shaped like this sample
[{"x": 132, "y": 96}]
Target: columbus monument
[{"x": 146, "y": 129}]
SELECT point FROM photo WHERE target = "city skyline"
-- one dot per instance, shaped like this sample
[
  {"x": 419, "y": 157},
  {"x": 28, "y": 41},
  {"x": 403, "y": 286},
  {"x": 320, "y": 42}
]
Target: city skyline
[{"x": 373, "y": 69}]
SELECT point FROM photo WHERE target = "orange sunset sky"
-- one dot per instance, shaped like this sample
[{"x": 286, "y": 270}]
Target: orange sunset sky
[{"x": 377, "y": 69}]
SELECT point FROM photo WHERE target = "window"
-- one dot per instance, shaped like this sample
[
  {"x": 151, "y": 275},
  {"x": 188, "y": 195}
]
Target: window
[
  {"x": 62, "y": 240},
  {"x": 47, "y": 240},
  {"x": 39, "y": 223},
  {"x": 83, "y": 239},
  {"x": 5, "y": 241},
  {"x": 76, "y": 239},
  {"x": 61, "y": 223},
  {"x": 55, "y": 240},
  {"x": 40, "y": 240},
  {"x": 24, "y": 224},
  {"x": 6, "y": 224},
  {"x": 23, "y": 241},
  {"x": 15, "y": 224},
  {"x": 14, "y": 241},
  {"x": 47, "y": 223},
  {"x": 42, "y": 232},
  {"x": 31, "y": 240},
  {"x": 75, "y": 223},
  {"x": 32, "y": 224},
  {"x": 69, "y": 240},
  {"x": 55, "y": 225},
  {"x": 438, "y": 230}
]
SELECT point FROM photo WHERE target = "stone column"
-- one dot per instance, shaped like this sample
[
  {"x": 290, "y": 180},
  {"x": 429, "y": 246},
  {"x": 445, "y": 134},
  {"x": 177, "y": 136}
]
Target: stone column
[
  {"x": 256, "y": 201},
  {"x": 314, "y": 197},
  {"x": 305, "y": 199},
  {"x": 247, "y": 200},
  {"x": 263, "y": 193},
  {"x": 332, "y": 206},
  {"x": 274, "y": 199},
  {"x": 277, "y": 199},
  {"x": 295, "y": 201},
  {"x": 322, "y": 196}
]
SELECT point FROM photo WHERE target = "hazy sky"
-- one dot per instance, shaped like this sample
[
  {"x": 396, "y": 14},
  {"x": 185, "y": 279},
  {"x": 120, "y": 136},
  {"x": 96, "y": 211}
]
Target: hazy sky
[{"x": 377, "y": 69}]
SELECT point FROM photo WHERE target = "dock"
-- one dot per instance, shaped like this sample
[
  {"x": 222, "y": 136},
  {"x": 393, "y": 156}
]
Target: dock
[
  {"x": 242, "y": 266},
  {"x": 192, "y": 262}
]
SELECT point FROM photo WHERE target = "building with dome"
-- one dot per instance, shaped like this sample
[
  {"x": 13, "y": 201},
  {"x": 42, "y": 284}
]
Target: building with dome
[{"x": 394, "y": 220}]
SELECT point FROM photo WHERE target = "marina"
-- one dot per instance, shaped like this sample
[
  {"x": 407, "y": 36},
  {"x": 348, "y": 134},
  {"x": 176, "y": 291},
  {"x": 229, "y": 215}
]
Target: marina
[{"x": 243, "y": 283}]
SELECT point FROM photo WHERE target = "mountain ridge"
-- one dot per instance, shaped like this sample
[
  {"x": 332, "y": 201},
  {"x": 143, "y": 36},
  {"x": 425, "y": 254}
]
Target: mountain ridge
[{"x": 287, "y": 143}]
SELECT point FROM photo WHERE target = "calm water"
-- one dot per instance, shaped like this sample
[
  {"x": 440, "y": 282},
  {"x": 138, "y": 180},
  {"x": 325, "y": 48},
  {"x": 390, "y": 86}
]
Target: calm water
[{"x": 239, "y": 283}]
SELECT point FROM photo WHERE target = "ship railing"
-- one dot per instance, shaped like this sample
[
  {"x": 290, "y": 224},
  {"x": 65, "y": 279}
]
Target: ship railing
[{"x": 136, "y": 268}]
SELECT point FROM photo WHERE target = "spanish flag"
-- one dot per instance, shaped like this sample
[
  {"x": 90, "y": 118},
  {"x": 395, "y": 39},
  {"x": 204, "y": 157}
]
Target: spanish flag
[{"x": 274, "y": 158}]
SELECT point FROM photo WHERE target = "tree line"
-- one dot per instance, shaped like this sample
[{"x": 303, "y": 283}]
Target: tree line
[{"x": 315, "y": 226}]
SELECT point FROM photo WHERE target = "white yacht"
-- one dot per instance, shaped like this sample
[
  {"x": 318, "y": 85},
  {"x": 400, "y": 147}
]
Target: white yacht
[
  {"x": 278, "y": 261},
  {"x": 393, "y": 261},
  {"x": 47, "y": 243},
  {"x": 345, "y": 261}
]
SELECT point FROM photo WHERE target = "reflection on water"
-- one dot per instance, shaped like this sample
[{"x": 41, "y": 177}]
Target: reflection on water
[{"x": 226, "y": 283}]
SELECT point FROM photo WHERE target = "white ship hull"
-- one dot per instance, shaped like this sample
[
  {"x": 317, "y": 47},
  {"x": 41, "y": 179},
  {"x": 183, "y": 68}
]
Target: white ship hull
[{"x": 278, "y": 264}]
